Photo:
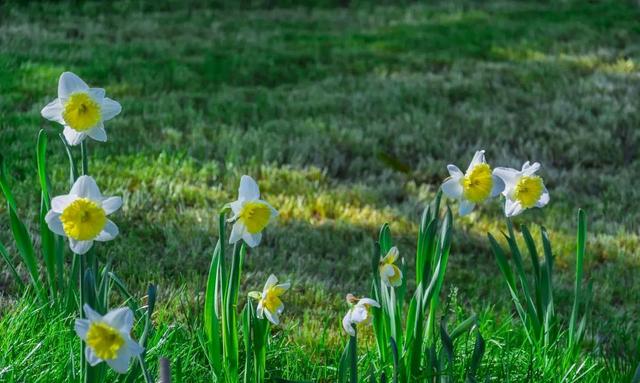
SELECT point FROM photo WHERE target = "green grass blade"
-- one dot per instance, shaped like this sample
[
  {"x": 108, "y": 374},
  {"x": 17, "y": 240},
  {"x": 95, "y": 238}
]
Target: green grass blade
[
  {"x": 48, "y": 247},
  {"x": 129, "y": 299},
  {"x": 73, "y": 171},
  {"x": 535, "y": 262},
  {"x": 507, "y": 273},
  {"x": 41, "y": 160},
  {"x": 12, "y": 268},
  {"x": 636, "y": 376},
  {"x": 25, "y": 248},
  {"x": 580, "y": 251},
  {"x": 211, "y": 319},
  {"x": 476, "y": 358}
]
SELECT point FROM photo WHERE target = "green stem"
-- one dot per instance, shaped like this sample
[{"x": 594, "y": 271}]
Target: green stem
[
  {"x": 83, "y": 361},
  {"x": 85, "y": 158}
]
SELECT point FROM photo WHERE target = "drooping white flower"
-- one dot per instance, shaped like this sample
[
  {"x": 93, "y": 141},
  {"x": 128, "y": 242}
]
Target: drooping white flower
[
  {"x": 269, "y": 303},
  {"x": 108, "y": 338},
  {"x": 250, "y": 214},
  {"x": 82, "y": 214},
  {"x": 523, "y": 189},
  {"x": 473, "y": 187},
  {"x": 80, "y": 109},
  {"x": 360, "y": 312},
  {"x": 390, "y": 274}
]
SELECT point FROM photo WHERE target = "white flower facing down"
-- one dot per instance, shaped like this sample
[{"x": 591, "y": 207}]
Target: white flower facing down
[
  {"x": 390, "y": 274},
  {"x": 82, "y": 214},
  {"x": 269, "y": 303},
  {"x": 360, "y": 312},
  {"x": 523, "y": 189},
  {"x": 473, "y": 187},
  {"x": 250, "y": 214},
  {"x": 108, "y": 338},
  {"x": 80, "y": 109}
]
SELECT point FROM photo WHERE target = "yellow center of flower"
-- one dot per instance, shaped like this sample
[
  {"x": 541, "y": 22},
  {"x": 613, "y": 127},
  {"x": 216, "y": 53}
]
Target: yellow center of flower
[
  {"x": 255, "y": 216},
  {"x": 83, "y": 219},
  {"x": 528, "y": 190},
  {"x": 81, "y": 112},
  {"x": 104, "y": 340},
  {"x": 271, "y": 300},
  {"x": 477, "y": 184}
]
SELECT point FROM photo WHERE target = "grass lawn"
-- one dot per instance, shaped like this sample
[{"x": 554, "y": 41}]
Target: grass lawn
[{"x": 347, "y": 118}]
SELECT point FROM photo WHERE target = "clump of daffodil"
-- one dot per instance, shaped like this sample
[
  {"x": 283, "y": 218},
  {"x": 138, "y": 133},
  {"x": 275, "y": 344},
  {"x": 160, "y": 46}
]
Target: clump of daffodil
[
  {"x": 475, "y": 186},
  {"x": 80, "y": 109},
  {"x": 250, "y": 214},
  {"x": 523, "y": 189},
  {"x": 390, "y": 274},
  {"x": 269, "y": 302},
  {"x": 82, "y": 214},
  {"x": 108, "y": 338},
  {"x": 360, "y": 312}
]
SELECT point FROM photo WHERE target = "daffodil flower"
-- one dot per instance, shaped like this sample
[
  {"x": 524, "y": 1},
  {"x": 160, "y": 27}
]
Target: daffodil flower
[
  {"x": 390, "y": 274},
  {"x": 523, "y": 189},
  {"x": 250, "y": 214},
  {"x": 269, "y": 303},
  {"x": 473, "y": 187},
  {"x": 360, "y": 312},
  {"x": 82, "y": 214},
  {"x": 108, "y": 338},
  {"x": 80, "y": 109}
]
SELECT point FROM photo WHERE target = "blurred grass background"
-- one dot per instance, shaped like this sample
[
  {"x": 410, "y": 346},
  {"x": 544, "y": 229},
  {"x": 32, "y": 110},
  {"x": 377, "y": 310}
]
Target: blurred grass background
[{"x": 346, "y": 114}]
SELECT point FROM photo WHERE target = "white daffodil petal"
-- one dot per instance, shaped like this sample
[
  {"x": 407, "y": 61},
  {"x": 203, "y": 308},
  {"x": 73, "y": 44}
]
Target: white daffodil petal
[
  {"x": 236, "y": 232},
  {"x": 73, "y": 137},
  {"x": 121, "y": 363},
  {"x": 120, "y": 318},
  {"x": 108, "y": 233},
  {"x": 86, "y": 187},
  {"x": 80, "y": 247},
  {"x": 98, "y": 133},
  {"x": 92, "y": 358},
  {"x": 272, "y": 317},
  {"x": 528, "y": 170},
  {"x": 59, "y": 203},
  {"x": 69, "y": 83},
  {"x": 284, "y": 286},
  {"x": 454, "y": 171},
  {"x": 359, "y": 314},
  {"x": 252, "y": 240},
  {"x": 134, "y": 348},
  {"x": 82, "y": 327},
  {"x": 512, "y": 208},
  {"x": 544, "y": 198},
  {"x": 97, "y": 94},
  {"x": 347, "y": 324},
  {"x": 236, "y": 207},
  {"x": 110, "y": 109},
  {"x": 452, "y": 187},
  {"x": 478, "y": 158},
  {"x": 111, "y": 204},
  {"x": 368, "y": 301},
  {"x": 509, "y": 176},
  {"x": 248, "y": 190},
  {"x": 91, "y": 314},
  {"x": 53, "y": 111},
  {"x": 498, "y": 186},
  {"x": 53, "y": 221},
  {"x": 466, "y": 207},
  {"x": 271, "y": 281}
]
